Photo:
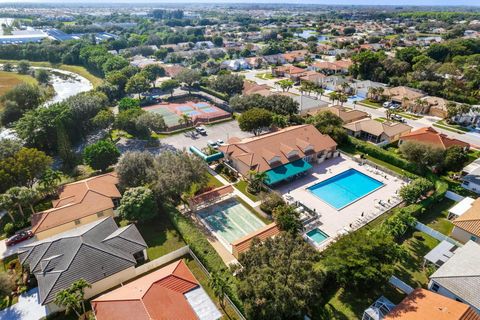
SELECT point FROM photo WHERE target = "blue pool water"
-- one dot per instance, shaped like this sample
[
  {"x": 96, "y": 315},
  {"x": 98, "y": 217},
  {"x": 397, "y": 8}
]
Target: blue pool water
[
  {"x": 317, "y": 235},
  {"x": 345, "y": 188}
]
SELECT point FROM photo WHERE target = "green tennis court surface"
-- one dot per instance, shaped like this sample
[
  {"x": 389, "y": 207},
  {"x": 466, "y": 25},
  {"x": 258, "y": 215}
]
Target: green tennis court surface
[{"x": 230, "y": 220}]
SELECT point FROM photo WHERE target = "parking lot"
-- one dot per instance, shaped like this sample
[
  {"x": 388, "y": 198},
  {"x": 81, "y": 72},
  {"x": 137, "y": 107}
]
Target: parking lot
[{"x": 223, "y": 131}]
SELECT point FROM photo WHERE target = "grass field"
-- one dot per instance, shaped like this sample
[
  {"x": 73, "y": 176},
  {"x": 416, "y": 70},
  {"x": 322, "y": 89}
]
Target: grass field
[
  {"x": 8, "y": 80},
  {"x": 96, "y": 81}
]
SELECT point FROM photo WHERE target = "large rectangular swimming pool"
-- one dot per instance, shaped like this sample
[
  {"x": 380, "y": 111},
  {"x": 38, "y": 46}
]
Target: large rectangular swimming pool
[{"x": 345, "y": 188}]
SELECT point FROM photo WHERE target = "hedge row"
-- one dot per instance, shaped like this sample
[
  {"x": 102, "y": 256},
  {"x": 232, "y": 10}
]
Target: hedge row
[
  {"x": 214, "y": 93},
  {"x": 203, "y": 250},
  {"x": 384, "y": 155}
]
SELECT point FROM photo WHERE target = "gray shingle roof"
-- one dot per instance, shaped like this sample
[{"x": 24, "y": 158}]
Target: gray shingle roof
[
  {"x": 91, "y": 252},
  {"x": 461, "y": 274}
]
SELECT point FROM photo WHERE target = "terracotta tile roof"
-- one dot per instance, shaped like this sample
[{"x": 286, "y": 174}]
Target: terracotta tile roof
[
  {"x": 257, "y": 151},
  {"x": 157, "y": 295},
  {"x": 243, "y": 244},
  {"x": 429, "y": 135},
  {"x": 293, "y": 55},
  {"x": 335, "y": 66},
  {"x": 470, "y": 220},
  {"x": 399, "y": 93},
  {"x": 422, "y": 304},
  {"x": 290, "y": 70},
  {"x": 377, "y": 128},
  {"x": 250, "y": 87},
  {"x": 312, "y": 76},
  {"x": 347, "y": 115},
  {"x": 78, "y": 200}
]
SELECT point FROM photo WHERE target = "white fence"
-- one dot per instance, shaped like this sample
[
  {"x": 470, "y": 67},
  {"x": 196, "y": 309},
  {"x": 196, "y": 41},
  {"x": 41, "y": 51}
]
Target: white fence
[
  {"x": 169, "y": 257},
  {"x": 435, "y": 234},
  {"x": 453, "y": 196},
  {"x": 400, "y": 285}
]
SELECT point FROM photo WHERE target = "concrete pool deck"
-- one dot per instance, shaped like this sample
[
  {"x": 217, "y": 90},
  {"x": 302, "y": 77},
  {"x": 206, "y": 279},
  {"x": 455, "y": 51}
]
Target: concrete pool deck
[{"x": 333, "y": 221}]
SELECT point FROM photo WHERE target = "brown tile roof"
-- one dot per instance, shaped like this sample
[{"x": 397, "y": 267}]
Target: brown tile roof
[
  {"x": 78, "y": 200},
  {"x": 429, "y": 135},
  {"x": 250, "y": 87},
  {"x": 257, "y": 151},
  {"x": 377, "y": 128},
  {"x": 293, "y": 55},
  {"x": 243, "y": 244},
  {"x": 347, "y": 115},
  {"x": 470, "y": 220},
  {"x": 290, "y": 69},
  {"x": 335, "y": 66},
  {"x": 312, "y": 76},
  {"x": 157, "y": 295},
  {"x": 422, "y": 304},
  {"x": 399, "y": 93}
]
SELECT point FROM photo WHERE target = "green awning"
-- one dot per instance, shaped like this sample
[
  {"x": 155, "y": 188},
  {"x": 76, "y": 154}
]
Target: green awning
[{"x": 286, "y": 171}]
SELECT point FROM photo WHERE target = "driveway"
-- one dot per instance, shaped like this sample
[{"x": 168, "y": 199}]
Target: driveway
[
  {"x": 9, "y": 251},
  {"x": 224, "y": 131},
  {"x": 28, "y": 307}
]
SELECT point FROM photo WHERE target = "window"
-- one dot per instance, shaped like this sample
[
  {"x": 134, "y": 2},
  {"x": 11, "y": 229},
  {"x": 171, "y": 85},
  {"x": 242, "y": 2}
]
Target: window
[
  {"x": 100, "y": 214},
  {"x": 77, "y": 221},
  {"x": 459, "y": 300},
  {"x": 435, "y": 287},
  {"x": 473, "y": 238}
]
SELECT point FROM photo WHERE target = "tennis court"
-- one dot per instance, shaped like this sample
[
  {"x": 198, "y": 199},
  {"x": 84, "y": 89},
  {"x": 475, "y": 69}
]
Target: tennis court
[
  {"x": 199, "y": 112},
  {"x": 230, "y": 220}
]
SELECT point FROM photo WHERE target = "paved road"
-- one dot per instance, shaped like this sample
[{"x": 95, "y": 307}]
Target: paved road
[
  {"x": 472, "y": 138},
  {"x": 222, "y": 131}
]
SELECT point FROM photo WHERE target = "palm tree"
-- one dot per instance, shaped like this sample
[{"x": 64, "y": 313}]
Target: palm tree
[
  {"x": 342, "y": 98},
  {"x": 6, "y": 203},
  {"x": 49, "y": 181},
  {"x": 334, "y": 96},
  {"x": 184, "y": 120},
  {"x": 67, "y": 300},
  {"x": 372, "y": 93},
  {"x": 16, "y": 196},
  {"x": 319, "y": 90},
  {"x": 28, "y": 196},
  {"x": 219, "y": 286},
  {"x": 78, "y": 288},
  {"x": 256, "y": 181}
]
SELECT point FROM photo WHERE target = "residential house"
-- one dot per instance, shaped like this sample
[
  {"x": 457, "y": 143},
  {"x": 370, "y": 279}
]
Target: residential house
[
  {"x": 235, "y": 65},
  {"x": 339, "y": 66},
  {"x": 335, "y": 82},
  {"x": 430, "y": 136},
  {"x": 201, "y": 45},
  {"x": 459, "y": 277},
  {"x": 250, "y": 87},
  {"x": 467, "y": 225},
  {"x": 295, "y": 56},
  {"x": 471, "y": 176},
  {"x": 460, "y": 208},
  {"x": 377, "y": 132},
  {"x": 435, "y": 106},
  {"x": 283, "y": 154},
  {"x": 361, "y": 87},
  {"x": 274, "y": 59},
  {"x": 171, "y": 292},
  {"x": 78, "y": 203},
  {"x": 289, "y": 71},
  {"x": 471, "y": 118},
  {"x": 422, "y": 304},
  {"x": 347, "y": 115},
  {"x": 313, "y": 77},
  {"x": 99, "y": 252},
  {"x": 403, "y": 95}
]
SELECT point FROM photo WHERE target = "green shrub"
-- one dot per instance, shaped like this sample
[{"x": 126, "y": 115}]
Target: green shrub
[
  {"x": 9, "y": 229},
  {"x": 414, "y": 190},
  {"x": 203, "y": 250}
]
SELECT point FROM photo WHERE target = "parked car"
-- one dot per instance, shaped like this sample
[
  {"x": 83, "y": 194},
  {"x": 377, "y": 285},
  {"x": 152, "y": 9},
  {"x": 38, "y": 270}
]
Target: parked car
[
  {"x": 212, "y": 143},
  {"x": 387, "y": 104},
  {"x": 19, "y": 237},
  {"x": 201, "y": 130},
  {"x": 396, "y": 117},
  {"x": 220, "y": 142}
]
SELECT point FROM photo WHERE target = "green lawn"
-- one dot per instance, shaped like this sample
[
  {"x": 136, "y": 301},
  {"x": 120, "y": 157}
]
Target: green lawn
[
  {"x": 370, "y": 104},
  {"x": 409, "y": 116},
  {"x": 213, "y": 182},
  {"x": 265, "y": 76},
  {"x": 453, "y": 126},
  {"x": 242, "y": 186},
  {"x": 204, "y": 282},
  {"x": 448, "y": 128},
  {"x": 436, "y": 216},
  {"x": 160, "y": 236},
  {"x": 381, "y": 119},
  {"x": 96, "y": 81}
]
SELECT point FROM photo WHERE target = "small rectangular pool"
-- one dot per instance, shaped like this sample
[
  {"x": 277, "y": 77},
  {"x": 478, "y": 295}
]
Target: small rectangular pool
[
  {"x": 317, "y": 235},
  {"x": 345, "y": 188}
]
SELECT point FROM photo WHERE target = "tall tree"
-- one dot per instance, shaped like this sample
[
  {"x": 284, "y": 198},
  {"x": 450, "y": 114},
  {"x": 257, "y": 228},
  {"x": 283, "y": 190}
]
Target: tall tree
[
  {"x": 101, "y": 155},
  {"x": 138, "y": 204},
  {"x": 189, "y": 78},
  {"x": 279, "y": 279},
  {"x": 255, "y": 120}
]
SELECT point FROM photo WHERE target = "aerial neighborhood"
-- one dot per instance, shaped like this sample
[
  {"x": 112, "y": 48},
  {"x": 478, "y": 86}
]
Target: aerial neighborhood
[{"x": 239, "y": 161}]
